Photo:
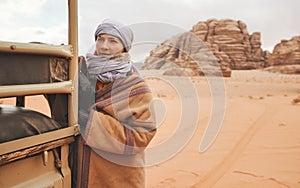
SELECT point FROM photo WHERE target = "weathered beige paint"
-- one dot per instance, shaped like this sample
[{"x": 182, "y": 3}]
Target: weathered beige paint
[{"x": 32, "y": 173}]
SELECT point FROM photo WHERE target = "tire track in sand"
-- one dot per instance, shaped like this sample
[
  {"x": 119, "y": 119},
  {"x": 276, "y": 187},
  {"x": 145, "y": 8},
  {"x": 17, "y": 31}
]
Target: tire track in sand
[{"x": 218, "y": 171}]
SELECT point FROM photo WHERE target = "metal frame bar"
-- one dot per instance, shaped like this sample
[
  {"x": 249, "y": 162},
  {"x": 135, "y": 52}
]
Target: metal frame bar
[
  {"x": 36, "y": 89},
  {"x": 27, "y": 152},
  {"x": 32, "y": 48},
  {"x": 15, "y": 145}
]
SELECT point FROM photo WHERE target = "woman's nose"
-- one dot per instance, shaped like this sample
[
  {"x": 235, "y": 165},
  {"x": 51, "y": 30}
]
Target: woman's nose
[{"x": 104, "y": 45}]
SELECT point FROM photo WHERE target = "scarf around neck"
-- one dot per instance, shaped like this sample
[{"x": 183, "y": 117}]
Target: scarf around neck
[{"x": 107, "y": 68}]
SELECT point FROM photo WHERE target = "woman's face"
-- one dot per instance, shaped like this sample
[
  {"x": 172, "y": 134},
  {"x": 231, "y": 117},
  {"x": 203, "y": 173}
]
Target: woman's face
[{"x": 108, "y": 45}]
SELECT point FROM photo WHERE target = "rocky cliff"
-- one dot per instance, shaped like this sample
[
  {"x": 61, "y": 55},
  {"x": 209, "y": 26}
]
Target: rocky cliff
[
  {"x": 287, "y": 52},
  {"x": 232, "y": 38},
  {"x": 215, "y": 47},
  {"x": 285, "y": 57},
  {"x": 186, "y": 54}
]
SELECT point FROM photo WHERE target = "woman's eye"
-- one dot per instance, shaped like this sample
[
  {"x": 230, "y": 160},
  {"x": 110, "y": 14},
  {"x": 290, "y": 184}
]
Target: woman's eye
[
  {"x": 113, "y": 41},
  {"x": 100, "y": 39}
]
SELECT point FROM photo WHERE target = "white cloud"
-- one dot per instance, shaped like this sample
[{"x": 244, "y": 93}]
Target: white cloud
[
  {"x": 10, "y": 9},
  {"x": 52, "y": 35},
  {"x": 32, "y": 20}
]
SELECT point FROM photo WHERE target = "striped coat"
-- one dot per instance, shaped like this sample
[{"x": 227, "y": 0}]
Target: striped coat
[{"x": 120, "y": 126}]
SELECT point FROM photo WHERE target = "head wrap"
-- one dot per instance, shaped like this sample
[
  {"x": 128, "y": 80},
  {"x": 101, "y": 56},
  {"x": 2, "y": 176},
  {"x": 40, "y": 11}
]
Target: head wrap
[{"x": 116, "y": 29}]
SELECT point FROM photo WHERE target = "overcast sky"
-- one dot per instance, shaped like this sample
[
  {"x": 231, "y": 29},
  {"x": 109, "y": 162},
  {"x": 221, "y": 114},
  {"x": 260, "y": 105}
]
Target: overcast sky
[{"x": 152, "y": 20}]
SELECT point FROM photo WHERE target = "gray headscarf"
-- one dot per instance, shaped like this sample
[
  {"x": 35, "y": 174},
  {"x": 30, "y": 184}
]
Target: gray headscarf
[{"x": 117, "y": 29}]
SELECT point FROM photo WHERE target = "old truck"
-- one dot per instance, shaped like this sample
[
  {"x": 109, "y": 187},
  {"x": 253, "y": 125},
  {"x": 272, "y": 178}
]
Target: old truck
[{"x": 37, "y": 150}]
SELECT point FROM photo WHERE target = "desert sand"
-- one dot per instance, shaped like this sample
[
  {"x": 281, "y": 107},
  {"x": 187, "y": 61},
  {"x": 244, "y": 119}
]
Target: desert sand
[{"x": 257, "y": 145}]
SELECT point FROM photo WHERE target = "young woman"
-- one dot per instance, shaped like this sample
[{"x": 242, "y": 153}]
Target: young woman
[{"x": 121, "y": 122}]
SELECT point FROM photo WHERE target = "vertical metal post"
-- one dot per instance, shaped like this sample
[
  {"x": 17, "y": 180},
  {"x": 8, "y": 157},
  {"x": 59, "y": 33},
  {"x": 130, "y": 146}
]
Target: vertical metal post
[
  {"x": 73, "y": 40},
  {"x": 73, "y": 99}
]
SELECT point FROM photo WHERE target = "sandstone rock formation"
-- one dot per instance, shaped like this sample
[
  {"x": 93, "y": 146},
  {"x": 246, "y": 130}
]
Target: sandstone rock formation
[
  {"x": 215, "y": 47},
  {"x": 228, "y": 41},
  {"x": 287, "y": 52},
  {"x": 188, "y": 55},
  {"x": 232, "y": 38}
]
